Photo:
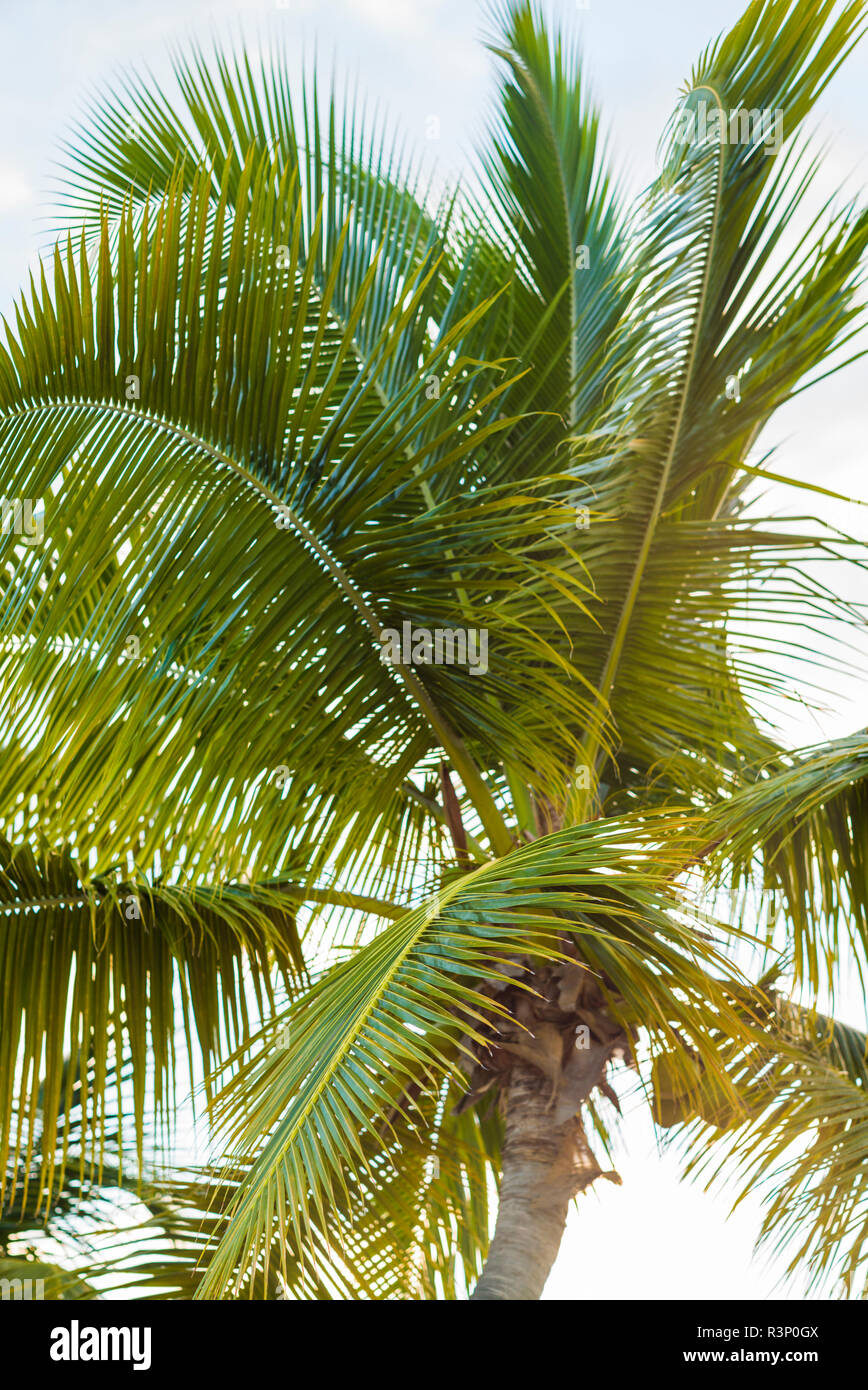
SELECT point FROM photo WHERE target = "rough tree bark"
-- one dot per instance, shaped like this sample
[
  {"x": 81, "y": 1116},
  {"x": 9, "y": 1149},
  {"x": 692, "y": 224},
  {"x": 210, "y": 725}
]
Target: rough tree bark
[{"x": 545, "y": 1165}]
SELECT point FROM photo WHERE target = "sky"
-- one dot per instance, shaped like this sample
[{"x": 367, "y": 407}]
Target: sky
[{"x": 653, "y": 1237}]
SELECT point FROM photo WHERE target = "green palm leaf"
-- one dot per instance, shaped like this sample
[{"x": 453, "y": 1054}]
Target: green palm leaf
[
  {"x": 675, "y": 552},
  {"x": 202, "y": 446},
  {"x": 804, "y": 1144},
  {"x": 104, "y": 970},
  {"x": 799, "y": 831},
  {"x": 388, "y": 1023}
]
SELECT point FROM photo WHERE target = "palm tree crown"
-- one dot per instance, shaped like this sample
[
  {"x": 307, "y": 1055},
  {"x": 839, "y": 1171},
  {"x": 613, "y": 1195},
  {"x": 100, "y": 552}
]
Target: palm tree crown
[{"x": 405, "y": 916}]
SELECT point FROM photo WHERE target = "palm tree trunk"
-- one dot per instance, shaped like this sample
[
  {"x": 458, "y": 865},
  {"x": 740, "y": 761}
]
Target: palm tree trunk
[{"x": 544, "y": 1166}]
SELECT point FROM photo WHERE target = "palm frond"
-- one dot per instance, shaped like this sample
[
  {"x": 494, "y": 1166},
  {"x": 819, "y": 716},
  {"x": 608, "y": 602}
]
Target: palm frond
[
  {"x": 799, "y": 831},
  {"x": 679, "y": 559},
  {"x": 804, "y": 1146},
  {"x": 99, "y": 973},
  {"x": 376, "y": 1037},
  {"x": 560, "y": 226},
  {"x": 203, "y": 454}
]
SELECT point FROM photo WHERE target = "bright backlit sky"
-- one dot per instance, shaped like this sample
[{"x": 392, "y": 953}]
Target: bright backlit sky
[{"x": 653, "y": 1237}]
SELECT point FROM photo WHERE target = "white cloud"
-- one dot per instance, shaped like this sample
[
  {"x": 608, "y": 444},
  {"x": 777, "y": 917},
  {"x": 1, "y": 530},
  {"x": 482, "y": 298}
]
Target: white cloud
[
  {"x": 399, "y": 17},
  {"x": 15, "y": 191}
]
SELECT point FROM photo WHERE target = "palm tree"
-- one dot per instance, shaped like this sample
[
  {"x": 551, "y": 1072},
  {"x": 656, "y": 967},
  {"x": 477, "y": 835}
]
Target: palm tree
[{"x": 414, "y": 921}]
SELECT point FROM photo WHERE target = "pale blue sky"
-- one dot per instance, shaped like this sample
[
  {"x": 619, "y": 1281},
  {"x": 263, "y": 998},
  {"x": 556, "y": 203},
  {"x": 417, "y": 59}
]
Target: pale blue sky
[{"x": 418, "y": 58}]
